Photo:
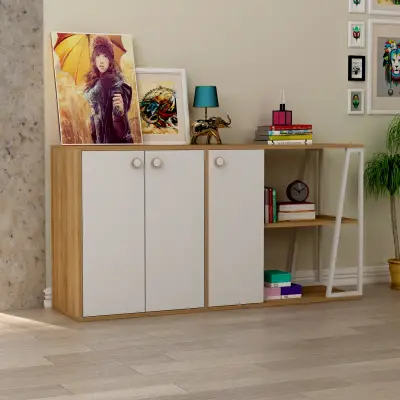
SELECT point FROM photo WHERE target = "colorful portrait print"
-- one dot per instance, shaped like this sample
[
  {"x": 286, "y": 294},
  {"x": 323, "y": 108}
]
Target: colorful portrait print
[
  {"x": 96, "y": 88},
  {"x": 391, "y": 65},
  {"x": 158, "y": 110}
]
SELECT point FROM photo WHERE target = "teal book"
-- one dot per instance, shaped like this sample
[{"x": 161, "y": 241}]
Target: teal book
[{"x": 276, "y": 276}]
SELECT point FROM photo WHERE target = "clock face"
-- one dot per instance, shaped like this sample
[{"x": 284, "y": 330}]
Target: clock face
[{"x": 298, "y": 191}]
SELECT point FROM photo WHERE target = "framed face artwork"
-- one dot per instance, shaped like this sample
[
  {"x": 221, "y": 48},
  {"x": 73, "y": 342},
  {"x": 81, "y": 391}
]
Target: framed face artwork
[
  {"x": 355, "y": 102},
  {"x": 384, "y": 67},
  {"x": 96, "y": 88},
  {"x": 356, "y": 68},
  {"x": 384, "y": 7},
  {"x": 164, "y": 108},
  {"x": 357, "y": 6},
  {"x": 356, "y": 34}
]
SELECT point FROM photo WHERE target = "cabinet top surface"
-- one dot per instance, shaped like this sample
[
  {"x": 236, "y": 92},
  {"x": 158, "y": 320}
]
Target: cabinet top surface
[{"x": 108, "y": 147}]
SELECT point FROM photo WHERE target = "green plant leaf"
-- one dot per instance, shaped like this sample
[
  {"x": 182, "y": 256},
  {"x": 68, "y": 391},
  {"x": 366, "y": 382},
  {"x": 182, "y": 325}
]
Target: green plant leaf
[
  {"x": 393, "y": 135},
  {"x": 382, "y": 175}
]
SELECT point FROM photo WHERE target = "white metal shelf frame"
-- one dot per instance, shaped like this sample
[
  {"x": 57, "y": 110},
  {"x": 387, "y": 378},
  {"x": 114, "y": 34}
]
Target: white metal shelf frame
[{"x": 292, "y": 257}]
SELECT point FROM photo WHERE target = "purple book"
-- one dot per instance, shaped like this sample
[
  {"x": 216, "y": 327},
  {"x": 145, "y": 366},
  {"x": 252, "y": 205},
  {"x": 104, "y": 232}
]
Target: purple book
[{"x": 295, "y": 289}]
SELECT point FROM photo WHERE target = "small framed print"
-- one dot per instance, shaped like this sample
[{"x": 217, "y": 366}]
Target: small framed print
[
  {"x": 355, "y": 103},
  {"x": 356, "y": 68},
  {"x": 357, "y": 6},
  {"x": 164, "y": 108},
  {"x": 356, "y": 34}
]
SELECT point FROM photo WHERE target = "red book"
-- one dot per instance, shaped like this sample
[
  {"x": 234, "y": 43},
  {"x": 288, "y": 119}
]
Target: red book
[
  {"x": 270, "y": 206},
  {"x": 289, "y": 127}
]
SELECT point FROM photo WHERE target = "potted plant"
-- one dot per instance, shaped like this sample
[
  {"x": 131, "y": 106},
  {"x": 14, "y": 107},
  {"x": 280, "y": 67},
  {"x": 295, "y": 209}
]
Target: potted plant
[{"x": 382, "y": 178}]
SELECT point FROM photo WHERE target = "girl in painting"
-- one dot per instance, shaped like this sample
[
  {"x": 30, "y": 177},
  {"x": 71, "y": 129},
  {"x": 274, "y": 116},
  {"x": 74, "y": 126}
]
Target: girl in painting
[{"x": 108, "y": 95}]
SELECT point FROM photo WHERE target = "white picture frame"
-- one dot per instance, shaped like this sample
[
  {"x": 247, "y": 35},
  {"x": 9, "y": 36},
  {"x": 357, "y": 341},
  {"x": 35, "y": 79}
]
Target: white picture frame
[
  {"x": 383, "y": 9},
  {"x": 169, "y": 79},
  {"x": 353, "y": 42},
  {"x": 361, "y": 97},
  {"x": 387, "y": 106},
  {"x": 357, "y": 8}
]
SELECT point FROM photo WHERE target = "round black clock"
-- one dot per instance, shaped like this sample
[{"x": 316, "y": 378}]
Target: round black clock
[{"x": 297, "y": 191}]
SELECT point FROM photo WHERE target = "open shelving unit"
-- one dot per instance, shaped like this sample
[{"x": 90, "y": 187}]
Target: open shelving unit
[{"x": 321, "y": 292}]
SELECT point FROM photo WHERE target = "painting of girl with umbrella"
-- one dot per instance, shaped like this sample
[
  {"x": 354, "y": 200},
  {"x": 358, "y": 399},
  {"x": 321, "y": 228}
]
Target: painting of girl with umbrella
[{"x": 96, "y": 89}]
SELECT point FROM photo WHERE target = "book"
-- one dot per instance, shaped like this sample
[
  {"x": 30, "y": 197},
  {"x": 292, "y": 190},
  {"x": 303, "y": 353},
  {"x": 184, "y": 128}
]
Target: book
[
  {"x": 285, "y": 132},
  {"x": 284, "y": 142},
  {"x": 272, "y": 206},
  {"x": 277, "y": 285},
  {"x": 289, "y": 207},
  {"x": 285, "y": 127},
  {"x": 296, "y": 216},
  {"x": 284, "y": 137},
  {"x": 277, "y": 276}
]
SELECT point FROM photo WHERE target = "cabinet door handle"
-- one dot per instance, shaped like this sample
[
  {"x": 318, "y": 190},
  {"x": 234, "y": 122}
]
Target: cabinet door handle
[
  {"x": 219, "y": 162},
  {"x": 157, "y": 163},
  {"x": 137, "y": 163}
]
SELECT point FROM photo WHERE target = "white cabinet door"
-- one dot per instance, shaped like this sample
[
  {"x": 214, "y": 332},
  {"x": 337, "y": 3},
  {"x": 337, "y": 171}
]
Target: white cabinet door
[
  {"x": 236, "y": 227},
  {"x": 174, "y": 230},
  {"x": 113, "y": 232}
]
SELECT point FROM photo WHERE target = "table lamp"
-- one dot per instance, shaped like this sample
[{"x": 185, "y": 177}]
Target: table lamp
[{"x": 205, "y": 97}]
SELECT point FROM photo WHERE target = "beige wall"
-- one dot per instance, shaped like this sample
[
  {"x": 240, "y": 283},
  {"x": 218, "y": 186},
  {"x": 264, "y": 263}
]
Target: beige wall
[{"x": 250, "y": 50}]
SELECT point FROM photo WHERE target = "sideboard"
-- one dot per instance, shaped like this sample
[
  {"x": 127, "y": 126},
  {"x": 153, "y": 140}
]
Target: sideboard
[{"x": 141, "y": 230}]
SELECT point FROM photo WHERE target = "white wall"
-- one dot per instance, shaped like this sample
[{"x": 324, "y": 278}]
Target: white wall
[{"x": 250, "y": 50}]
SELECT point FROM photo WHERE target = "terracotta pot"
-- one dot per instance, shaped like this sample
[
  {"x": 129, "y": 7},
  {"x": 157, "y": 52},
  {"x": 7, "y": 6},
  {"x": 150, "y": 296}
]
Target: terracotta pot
[{"x": 394, "y": 267}]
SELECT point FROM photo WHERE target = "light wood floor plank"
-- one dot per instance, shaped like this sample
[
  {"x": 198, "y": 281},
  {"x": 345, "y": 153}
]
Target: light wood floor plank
[{"x": 344, "y": 350}]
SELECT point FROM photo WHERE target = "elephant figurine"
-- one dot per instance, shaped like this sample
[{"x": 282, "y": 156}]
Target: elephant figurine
[{"x": 209, "y": 128}]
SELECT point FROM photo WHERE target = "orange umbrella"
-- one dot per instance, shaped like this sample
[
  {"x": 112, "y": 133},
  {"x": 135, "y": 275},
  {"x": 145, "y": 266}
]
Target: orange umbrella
[{"x": 73, "y": 51}]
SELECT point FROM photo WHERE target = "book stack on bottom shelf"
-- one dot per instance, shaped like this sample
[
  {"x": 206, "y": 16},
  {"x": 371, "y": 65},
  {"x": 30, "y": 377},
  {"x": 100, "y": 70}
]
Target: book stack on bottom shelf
[
  {"x": 278, "y": 285},
  {"x": 296, "y": 211}
]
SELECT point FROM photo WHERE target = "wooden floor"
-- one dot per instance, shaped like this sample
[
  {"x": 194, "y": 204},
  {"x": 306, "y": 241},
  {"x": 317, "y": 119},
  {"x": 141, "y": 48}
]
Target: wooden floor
[{"x": 344, "y": 350}]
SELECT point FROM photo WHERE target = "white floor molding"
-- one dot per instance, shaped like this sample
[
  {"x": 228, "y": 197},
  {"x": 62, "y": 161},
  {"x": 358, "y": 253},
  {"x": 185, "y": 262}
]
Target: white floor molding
[{"x": 347, "y": 276}]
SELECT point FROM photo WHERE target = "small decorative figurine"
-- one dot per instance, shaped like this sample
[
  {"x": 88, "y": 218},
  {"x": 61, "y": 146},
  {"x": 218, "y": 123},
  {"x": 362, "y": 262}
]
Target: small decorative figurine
[
  {"x": 209, "y": 128},
  {"x": 283, "y": 116}
]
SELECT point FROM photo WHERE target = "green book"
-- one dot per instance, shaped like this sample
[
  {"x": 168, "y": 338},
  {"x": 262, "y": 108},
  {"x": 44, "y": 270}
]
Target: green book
[{"x": 276, "y": 276}]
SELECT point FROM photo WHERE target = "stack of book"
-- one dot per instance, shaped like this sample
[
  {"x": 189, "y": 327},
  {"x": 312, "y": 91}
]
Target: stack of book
[
  {"x": 284, "y": 134},
  {"x": 270, "y": 214},
  {"x": 278, "y": 285},
  {"x": 296, "y": 211}
]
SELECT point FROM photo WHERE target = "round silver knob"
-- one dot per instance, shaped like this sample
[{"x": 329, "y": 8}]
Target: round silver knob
[
  {"x": 137, "y": 163},
  {"x": 157, "y": 163},
  {"x": 219, "y": 162}
]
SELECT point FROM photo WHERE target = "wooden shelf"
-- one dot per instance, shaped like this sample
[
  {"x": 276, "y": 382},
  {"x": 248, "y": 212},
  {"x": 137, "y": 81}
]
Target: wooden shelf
[
  {"x": 321, "y": 220},
  {"x": 244, "y": 146}
]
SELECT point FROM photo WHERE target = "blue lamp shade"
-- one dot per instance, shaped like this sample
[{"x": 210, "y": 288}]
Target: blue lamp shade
[{"x": 206, "y": 96}]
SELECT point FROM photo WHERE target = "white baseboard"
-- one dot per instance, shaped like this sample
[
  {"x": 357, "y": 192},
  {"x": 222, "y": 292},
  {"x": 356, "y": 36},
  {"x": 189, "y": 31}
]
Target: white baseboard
[
  {"x": 347, "y": 276},
  {"x": 47, "y": 297}
]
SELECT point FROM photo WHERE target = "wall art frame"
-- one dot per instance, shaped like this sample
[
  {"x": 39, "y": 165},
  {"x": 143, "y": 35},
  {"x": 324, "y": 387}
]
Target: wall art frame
[
  {"x": 79, "y": 59},
  {"x": 383, "y": 70},
  {"x": 356, "y": 34},
  {"x": 384, "y": 7},
  {"x": 356, "y": 68},
  {"x": 356, "y": 102},
  {"x": 164, "y": 107},
  {"x": 357, "y": 6}
]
